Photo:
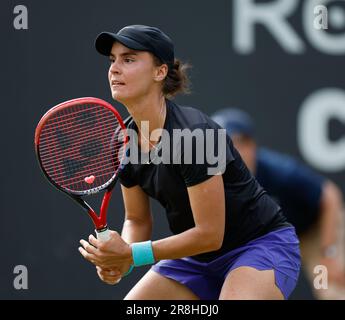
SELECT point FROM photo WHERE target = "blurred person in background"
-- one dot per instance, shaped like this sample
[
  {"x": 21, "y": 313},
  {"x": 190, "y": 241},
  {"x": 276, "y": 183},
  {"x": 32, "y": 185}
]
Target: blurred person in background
[{"x": 312, "y": 203}]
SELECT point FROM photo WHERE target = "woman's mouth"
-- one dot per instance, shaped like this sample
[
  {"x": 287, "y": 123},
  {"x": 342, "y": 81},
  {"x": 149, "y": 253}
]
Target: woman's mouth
[{"x": 115, "y": 83}]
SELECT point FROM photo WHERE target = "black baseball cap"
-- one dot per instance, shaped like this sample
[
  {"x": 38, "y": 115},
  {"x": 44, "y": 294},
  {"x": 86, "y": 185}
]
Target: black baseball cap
[
  {"x": 139, "y": 37},
  {"x": 235, "y": 121}
]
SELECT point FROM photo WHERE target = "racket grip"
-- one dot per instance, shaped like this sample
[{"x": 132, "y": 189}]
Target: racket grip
[{"x": 103, "y": 235}]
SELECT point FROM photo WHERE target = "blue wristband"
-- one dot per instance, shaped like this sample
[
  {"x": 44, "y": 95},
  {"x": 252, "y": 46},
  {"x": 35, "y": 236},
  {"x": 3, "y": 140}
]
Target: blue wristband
[
  {"x": 129, "y": 271},
  {"x": 142, "y": 253}
]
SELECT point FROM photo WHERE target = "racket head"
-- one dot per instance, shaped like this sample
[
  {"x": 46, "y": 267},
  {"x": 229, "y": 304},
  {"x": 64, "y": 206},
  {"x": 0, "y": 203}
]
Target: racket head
[{"x": 80, "y": 145}]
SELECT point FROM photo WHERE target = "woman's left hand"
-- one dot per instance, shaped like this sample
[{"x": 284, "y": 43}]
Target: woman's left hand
[{"x": 112, "y": 253}]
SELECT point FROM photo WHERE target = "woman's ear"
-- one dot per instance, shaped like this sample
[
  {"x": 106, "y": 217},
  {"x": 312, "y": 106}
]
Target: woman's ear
[{"x": 161, "y": 72}]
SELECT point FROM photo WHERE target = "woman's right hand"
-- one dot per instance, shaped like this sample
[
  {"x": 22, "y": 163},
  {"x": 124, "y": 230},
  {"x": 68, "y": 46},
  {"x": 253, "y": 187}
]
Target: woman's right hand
[
  {"x": 109, "y": 276},
  {"x": 112, "y": 275}
]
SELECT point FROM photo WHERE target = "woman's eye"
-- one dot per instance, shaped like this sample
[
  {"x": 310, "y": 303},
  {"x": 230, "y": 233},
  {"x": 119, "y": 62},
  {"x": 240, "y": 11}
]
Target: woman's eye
[{"x": 111, "y": 61}]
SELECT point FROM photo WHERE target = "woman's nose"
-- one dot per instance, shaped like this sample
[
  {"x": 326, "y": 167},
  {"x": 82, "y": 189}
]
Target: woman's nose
[{"x": 114, "y": 67}]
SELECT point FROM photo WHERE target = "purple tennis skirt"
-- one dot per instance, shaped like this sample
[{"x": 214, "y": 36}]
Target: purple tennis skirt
[{"x": 277, "y": 250}]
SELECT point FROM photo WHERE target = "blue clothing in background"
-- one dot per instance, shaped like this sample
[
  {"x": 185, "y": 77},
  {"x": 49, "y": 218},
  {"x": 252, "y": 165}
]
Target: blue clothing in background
[{"x": 296, "y": 188}]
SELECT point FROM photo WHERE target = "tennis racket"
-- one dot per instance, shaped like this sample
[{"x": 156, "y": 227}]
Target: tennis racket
[{"x": 80, "y": 145}]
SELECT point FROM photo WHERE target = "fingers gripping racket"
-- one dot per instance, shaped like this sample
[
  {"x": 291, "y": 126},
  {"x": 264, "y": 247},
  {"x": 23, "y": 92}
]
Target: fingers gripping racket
[{"x": 80, "y": 145}]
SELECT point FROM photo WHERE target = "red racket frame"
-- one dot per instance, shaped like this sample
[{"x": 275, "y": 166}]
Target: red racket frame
[{"x": 100, "y": 221}]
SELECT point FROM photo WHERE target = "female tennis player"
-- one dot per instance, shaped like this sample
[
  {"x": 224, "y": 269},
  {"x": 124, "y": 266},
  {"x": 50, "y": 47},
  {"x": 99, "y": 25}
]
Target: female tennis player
[{"x": 230, "y": 239}]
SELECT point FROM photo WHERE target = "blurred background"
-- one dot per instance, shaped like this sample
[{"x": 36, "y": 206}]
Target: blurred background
[{"x": 268, "y": 58}]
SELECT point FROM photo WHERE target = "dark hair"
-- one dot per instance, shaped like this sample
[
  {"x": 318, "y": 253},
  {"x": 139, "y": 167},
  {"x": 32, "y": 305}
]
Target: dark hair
[{"x": 177, "y": 80}]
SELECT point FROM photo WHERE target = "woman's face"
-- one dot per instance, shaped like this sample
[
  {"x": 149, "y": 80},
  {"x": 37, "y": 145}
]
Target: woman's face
[{"x": 132, "y": 74}]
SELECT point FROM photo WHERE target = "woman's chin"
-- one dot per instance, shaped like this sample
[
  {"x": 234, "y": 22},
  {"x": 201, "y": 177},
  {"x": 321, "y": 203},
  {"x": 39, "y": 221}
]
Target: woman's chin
[
  {"x": 122, "y": 98},
  {"x": 118, "y": 97}
]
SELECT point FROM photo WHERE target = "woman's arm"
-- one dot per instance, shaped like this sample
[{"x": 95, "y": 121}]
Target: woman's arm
[
  {"x": 207, "y": 201},
  {"x": 138, "y": 219}
]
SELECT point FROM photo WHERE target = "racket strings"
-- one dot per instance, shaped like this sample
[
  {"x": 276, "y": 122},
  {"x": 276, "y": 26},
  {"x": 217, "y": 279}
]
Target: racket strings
[
  {"x": 47, "y": 157},
  {"x": 77, "y": 166},
  {"x": 79, "y": 112},
  {"x": 72, "y": 173},
  {"x": 69, "y": 168},
  {"x": 52, "y": 127},
  {"x": 81, "y": 147},
  {"x": 84, "y": 152},
  {"x": 98, "y": 174}
]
